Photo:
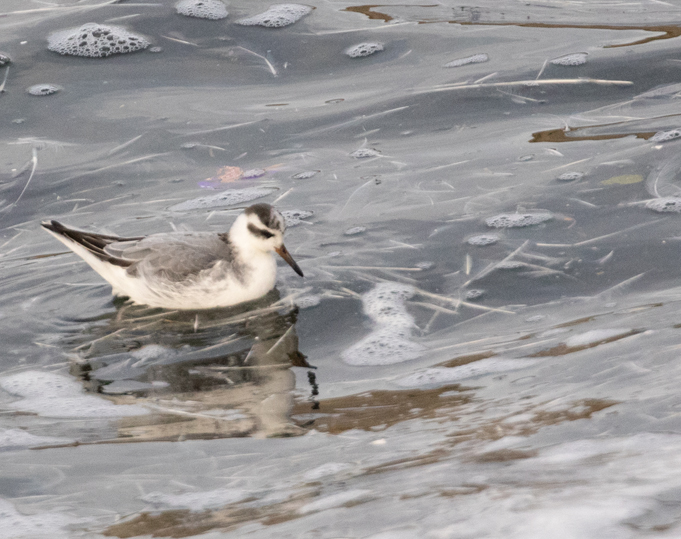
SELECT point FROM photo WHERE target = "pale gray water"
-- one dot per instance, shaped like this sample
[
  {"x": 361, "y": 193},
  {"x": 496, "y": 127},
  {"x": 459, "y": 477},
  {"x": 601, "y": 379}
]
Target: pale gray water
[{"x": 547, "y": 406}]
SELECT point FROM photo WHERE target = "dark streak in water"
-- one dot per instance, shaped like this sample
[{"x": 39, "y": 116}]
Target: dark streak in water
[
  {"x": 667, "y": 31},
  {"x": 560, "y": 135}
]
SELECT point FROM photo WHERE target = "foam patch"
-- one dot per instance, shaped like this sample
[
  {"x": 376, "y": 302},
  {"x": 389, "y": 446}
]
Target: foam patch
[
  {"x": 666, "y": 136},
  {"x": 295, "y": 217},
  {"x": 516, "y": 220},
  {"x": 52, "y": 395},
  {"x": 364, "y": 49},
  {"x": 665, "y": 205},
  {"x": 482, "y": 240},
  {"x": 390, "y": 342},
  {"x": 475, "y": 59},
  {"x": 43, "y": 89},
  {"x": 363, "y": 153},
  {"x": 306, "y": 302},
  {"x": 570, "y": 176},
  {"x": 96, "y": 41},
  {"x": 570, "y": 60},
  {"x": 305, "y": 175},
  {"x": 229, "y": 197},
  {"x": 277, "y": 16},
  {"x": 202, "y": 9}
]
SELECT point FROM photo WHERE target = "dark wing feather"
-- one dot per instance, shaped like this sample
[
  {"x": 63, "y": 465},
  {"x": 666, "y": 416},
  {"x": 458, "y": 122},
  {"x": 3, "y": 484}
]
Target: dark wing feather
[{"x": 95, "y": 243}]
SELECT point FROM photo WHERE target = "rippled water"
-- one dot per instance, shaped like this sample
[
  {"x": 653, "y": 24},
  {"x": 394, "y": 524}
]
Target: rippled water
[{"x": 485, "y": 208}]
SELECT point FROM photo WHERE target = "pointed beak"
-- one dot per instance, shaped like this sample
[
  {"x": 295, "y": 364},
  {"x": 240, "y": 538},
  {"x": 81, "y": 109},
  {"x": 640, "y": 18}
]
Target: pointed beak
[{"x": 283, "y": 253}]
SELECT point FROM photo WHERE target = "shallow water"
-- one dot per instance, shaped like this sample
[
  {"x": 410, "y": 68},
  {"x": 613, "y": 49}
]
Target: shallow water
[{"x": 413, "y": 384}]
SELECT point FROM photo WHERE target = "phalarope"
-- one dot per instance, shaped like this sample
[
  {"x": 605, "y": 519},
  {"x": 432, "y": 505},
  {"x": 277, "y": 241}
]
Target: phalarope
[{"x": 188, "y": 270}]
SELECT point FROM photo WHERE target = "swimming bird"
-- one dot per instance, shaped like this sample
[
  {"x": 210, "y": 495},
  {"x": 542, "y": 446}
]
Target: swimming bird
[{"x": 188, "y": 270}]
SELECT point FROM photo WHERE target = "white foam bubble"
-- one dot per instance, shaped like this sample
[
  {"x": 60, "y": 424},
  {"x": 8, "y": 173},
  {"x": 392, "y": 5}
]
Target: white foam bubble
[
  {"x": 483, "y": 239},
  {"x": 594, "y": 336},
  {"x": 571, "y": 60},
  {"x": 515, "y": 220},
  {"x": 475, "y": 59},
  {"x": 334, "y": 500},
  {"x": 306, "y": 175},
  {"x": 570, "y": 176},
  {"x": 666, "y": 136},
  {"x": 665, "y": 205},
  {"x": 390, "y": 341},
  {"x": 364, "y": 49},
  {"x": 14, "y": 525},
  {"x": 52, "y": 395},
  {"x": 295, "y": 217},
  {"x": 43, "y": 89},
  {"x": 229, "y": 197},
  {"x": 306, "y": 302},
  {"x": 197, "y": 501},
  {"x": 352, "y": 231},
  {"x": 95, "y": 40},
  {"x": 17, "y": 439},
  {"x": 363, "y": 153},
  {"x": 443, "y": 375},
  {"x": 474, "y": 294},
  {"x": 202, "y": 9},
  {"x": 277, "y": 16}
]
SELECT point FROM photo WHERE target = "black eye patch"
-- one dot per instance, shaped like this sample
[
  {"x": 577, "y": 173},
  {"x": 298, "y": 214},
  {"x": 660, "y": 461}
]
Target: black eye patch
[{"x": 259, "y": 232}]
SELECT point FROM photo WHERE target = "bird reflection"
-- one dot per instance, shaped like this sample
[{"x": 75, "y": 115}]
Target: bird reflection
[{"x": 202, "y": 374}]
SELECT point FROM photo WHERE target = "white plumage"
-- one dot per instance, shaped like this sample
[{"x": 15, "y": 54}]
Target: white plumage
[{"x": 188, "y": 270}]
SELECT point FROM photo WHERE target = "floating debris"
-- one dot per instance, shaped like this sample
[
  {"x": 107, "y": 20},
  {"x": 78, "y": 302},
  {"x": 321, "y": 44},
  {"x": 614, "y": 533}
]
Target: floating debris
[
  {"x": 665, "y": 205},
  {"x": 96, "y": 41},
  {"x": 363, "y": 153},
  {"x": 517, "y": 220},
  {"x": 277, "y": 16},
  {"x": 571, "y": 60},
  {"x": 425, "y": 265},
  {"x": 4, "y": 59},
  {"x": 156, "y": 49},
  {"x": 570, "y": 176},
  {"x": 202, "y": 9},
  {"x": 355, "y": 230},
  {"x": 627, "y": 179},
  {"x": 43, "y": 89},
  {"x": 364, "y": 49},
  {"x": 524, "y": 158},
  {"x": 226, "y": 198},
  {"x": 666, "y": 136},
  {"x": 475, "y": 59},
  {"x": 305, "y": 175},
  {"x": 481, "y": 240}
]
